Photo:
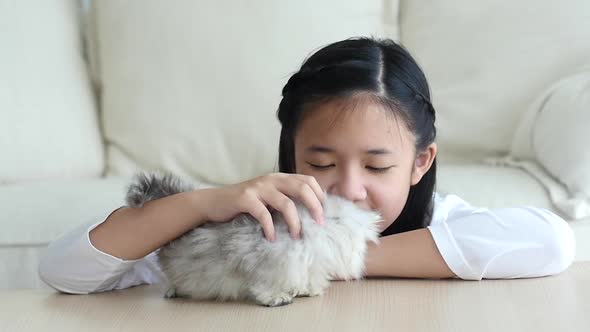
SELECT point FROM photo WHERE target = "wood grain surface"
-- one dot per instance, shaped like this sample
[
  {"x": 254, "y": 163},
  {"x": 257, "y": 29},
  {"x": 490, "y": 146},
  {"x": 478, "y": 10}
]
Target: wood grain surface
[{"x": 555, "y": 303}]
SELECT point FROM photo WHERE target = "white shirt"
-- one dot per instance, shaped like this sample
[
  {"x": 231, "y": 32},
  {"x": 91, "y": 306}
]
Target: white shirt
[{"x": 475, "y": 243}]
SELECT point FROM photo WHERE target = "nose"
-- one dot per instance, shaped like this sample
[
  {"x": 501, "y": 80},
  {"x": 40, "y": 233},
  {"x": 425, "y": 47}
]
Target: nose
[{"x": 349, "y": 185}]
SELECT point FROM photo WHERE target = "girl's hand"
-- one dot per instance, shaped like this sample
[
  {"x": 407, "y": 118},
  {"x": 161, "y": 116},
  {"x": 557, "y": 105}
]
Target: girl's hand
[{"x": 271, "y": 191}]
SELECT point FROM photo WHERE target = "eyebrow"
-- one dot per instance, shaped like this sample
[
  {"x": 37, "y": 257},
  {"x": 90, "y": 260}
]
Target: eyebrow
[{"x": 324, "y": 149}]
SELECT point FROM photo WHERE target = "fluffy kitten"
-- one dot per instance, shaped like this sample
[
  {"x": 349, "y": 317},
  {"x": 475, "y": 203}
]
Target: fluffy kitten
[{"x": 233, "y": 260}]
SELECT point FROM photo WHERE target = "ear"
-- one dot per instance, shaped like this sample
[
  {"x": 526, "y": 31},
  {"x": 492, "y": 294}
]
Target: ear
[{"x": 423, "y": 162}]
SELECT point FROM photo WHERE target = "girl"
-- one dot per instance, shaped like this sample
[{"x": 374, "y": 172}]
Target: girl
[{"x": 357, "y": 121}]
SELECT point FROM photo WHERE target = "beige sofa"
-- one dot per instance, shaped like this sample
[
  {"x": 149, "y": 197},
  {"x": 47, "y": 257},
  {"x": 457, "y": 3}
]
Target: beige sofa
[{"x": 93, "y": 91}]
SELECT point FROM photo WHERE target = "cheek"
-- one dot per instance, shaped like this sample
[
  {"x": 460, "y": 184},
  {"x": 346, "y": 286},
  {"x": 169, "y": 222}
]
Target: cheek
[{"x": 389, "y": 200}]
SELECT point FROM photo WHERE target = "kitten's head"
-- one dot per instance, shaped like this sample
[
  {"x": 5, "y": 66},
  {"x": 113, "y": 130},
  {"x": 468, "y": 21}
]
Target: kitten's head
[
  {"x": 341, "y": 243},
  {"x": 344, "y": 212}
]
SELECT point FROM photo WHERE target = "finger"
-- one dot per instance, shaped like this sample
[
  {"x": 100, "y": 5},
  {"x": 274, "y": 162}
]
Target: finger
[
  {"x": 259, "y": 211},
  {"x": 302, "y": 191},
  {"x": 286, "y": 207},
  {"x": 315, "y": 186}
]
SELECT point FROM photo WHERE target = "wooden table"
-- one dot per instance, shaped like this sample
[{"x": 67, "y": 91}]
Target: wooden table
[{"x": 556, "y": 303}]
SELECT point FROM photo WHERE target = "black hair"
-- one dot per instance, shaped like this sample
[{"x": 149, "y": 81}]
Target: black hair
[{"x": 387, "y": 72}]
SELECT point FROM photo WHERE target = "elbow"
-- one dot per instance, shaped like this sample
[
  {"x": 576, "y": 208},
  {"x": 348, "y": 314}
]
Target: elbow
[
  {"x": 49, "y": 274},
  {"x": 562, "y": 245}
]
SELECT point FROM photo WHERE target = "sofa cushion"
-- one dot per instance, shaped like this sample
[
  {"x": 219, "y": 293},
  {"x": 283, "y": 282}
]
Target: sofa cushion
[
  {"x": 49, "y": 126},
  {"x": 551, "y": 143},
  {"x": 562, "y": 134},
  {"x": 35, "y": 213},
  {"x": 478, "y": 184},
  {"x": 197, "y": 93},
  {"x": 486, "y": 60}
]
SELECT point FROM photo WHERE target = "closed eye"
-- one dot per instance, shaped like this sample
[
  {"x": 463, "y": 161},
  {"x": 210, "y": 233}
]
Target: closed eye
[
  {"x": 379, "y": 169},
  {"x": 372, "y": 169},
  {"x": 321, "y": 166}
]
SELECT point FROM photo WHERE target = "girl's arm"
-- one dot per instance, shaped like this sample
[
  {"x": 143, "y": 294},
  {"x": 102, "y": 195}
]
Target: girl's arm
[
  {"x": 410, "y": 254},
  {"x": 131, "y": 234},
  {"x": 110, "y": 254},
  {"x": 477, "y": 243}
]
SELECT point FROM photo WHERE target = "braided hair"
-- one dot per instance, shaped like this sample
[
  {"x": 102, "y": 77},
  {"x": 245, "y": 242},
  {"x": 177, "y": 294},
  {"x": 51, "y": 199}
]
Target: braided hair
[{"x": 383, "y": 70}]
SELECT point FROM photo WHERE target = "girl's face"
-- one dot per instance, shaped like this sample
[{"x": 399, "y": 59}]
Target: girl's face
[{"x": 364, "y": 155}]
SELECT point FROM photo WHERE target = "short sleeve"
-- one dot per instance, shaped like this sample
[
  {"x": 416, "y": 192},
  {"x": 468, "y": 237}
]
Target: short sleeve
[
  {"x": 71, "y": 264},
  {"x": 520, "y": 242}
]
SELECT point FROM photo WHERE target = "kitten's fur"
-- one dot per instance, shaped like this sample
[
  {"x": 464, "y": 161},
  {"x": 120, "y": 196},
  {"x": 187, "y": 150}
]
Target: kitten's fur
[{"x": 232, "y": 260}]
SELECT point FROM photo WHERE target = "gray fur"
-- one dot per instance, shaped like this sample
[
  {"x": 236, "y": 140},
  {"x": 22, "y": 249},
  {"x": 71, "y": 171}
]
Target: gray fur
[{"x": 233, "y": 261}]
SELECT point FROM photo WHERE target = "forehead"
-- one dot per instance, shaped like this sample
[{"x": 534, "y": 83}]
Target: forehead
[{"x": 346, "y": 125}]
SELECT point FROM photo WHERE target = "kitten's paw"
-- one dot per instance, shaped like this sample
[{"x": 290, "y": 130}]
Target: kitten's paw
[
  {"x": 274, "y": 300},
  {"x": 171, "y": 293}
]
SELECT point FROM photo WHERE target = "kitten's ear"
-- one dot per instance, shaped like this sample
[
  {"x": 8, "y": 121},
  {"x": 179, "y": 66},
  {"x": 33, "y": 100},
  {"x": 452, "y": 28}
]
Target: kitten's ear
[{"x": 154, "y": 185}]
